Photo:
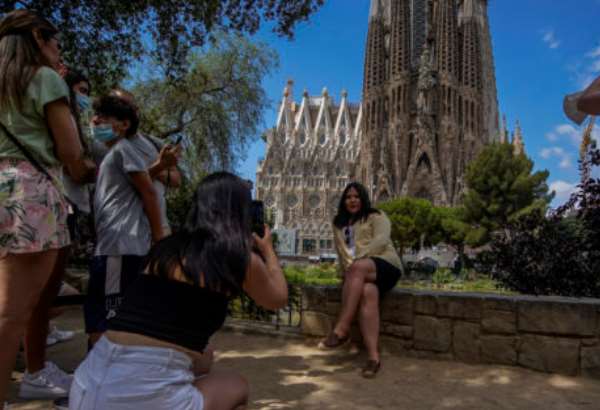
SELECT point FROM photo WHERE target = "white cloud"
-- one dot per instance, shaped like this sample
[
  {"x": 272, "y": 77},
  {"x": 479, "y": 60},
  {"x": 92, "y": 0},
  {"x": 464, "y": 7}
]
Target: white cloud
[
  {"x": 563, "y": 190},
  {"x": 565, "y": 131},
  {"x": 588, "y": 69},
  {"x": 564, "y": 157},
  {"x": 549, "y": 37}
]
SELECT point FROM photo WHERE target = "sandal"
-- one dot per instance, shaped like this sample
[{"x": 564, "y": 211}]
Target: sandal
[
  {"x": 371, "y": 368},
  {"x": 333, "y": 341}
]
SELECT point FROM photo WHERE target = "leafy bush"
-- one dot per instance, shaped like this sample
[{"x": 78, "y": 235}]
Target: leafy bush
[{"x": 557, "y": 254}]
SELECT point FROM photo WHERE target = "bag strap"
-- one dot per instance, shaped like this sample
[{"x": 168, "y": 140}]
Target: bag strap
[{"x": 26, "y": 153}]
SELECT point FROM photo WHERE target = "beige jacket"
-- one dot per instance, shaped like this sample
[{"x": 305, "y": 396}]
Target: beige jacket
[{"x": 372, "y": 238}]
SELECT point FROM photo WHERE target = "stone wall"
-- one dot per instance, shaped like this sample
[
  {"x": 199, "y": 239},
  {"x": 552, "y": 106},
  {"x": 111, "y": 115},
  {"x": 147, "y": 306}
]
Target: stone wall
[{"x": 551, "y": 334}]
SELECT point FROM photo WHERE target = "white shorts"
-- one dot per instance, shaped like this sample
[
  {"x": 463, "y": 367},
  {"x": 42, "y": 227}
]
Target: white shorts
[{"x": 118, "y": 377}]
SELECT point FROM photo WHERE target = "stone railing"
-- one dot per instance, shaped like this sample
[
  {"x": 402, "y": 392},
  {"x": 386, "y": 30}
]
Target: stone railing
[{"x": 551, "y": 334}]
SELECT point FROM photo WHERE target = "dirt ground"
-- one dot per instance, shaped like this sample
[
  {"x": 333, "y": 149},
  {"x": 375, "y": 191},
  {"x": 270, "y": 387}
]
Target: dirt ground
[{"x": 290, "y": 373}]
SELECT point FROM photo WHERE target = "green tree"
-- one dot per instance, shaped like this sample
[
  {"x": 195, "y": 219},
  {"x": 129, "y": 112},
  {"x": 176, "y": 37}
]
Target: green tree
[
  {"x": 106, "y": 36},
  {"x": 453, "y": 230},
  {"x": 217, "y": 105},
  {"x": 414, "y": 222},
  {"x": 501, "y": 186}
]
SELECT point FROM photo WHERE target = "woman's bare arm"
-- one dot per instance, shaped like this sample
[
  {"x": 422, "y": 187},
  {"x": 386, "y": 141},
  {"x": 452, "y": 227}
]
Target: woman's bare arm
[
  {"x": 265, "y": 282},
  {"x": 66, "y": 139}
]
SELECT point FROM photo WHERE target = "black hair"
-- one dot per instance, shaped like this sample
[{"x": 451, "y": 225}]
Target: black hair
[
  {"x": 215, "y": 242},
  {"x": 72, "y": 78},
  {"x": 343, "y": 217},
  {"x": 119, "y": 108}
]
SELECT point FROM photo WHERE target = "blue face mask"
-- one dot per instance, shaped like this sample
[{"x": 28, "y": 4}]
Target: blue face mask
[
  {"x": 83, "y": 101},
  {"x": 103, "y": 133}
]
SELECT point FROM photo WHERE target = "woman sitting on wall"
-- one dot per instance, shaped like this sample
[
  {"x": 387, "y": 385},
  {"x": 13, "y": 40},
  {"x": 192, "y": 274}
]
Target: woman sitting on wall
[{"x": 370, "y": 266}]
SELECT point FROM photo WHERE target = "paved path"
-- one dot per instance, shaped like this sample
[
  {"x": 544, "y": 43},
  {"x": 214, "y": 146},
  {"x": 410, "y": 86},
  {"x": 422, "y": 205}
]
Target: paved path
[{"x": 293, "y": 374}]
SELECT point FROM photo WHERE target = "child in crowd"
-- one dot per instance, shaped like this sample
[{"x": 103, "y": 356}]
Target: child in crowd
[{"x": 126, "y": 211}]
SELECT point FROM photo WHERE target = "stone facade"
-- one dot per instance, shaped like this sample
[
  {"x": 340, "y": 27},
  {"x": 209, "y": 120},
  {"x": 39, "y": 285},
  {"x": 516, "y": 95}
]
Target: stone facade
[
  {"x": 429, "y": 97},
  {"x": 550, "y": 334},
  {"x": 310, "y": 153}
]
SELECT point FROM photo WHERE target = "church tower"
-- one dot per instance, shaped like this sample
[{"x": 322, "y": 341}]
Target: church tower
[{"x": 429, "y": 97}]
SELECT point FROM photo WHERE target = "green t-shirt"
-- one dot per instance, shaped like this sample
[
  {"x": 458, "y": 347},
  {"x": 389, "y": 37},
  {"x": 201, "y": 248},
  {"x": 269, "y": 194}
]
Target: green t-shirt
[{"x": 29, "y": 125}]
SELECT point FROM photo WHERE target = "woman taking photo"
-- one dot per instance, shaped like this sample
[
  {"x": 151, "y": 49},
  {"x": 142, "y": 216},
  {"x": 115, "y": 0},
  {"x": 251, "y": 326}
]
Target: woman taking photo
[
  {"x": 38, "y": 136},
  {"x": 370, "y": 268},
  {"x": 157, "y": 343}
]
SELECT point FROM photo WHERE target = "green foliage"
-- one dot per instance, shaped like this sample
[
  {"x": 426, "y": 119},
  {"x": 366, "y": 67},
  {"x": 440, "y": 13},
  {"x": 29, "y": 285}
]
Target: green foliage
[
  {"x": 501, "y": 186},
  {"x": 414, "y": 222},
  {"x": 322, "y": 274},
  {"x": 105, "y": 37},
  {"x": 217, "y": 105},
  {"x": 557, "y": 254}
]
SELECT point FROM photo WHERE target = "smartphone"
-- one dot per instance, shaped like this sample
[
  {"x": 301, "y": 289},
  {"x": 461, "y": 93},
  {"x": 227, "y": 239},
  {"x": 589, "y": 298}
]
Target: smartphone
[{"x": 257, "y": 214}]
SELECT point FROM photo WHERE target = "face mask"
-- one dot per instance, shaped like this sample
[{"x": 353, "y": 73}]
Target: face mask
[
  {"x": 103, "y": 132},
  {"x": 83, "y": 101}
]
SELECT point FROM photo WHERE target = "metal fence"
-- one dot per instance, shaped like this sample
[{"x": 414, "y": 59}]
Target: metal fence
[{"x": 291, "y": 315}]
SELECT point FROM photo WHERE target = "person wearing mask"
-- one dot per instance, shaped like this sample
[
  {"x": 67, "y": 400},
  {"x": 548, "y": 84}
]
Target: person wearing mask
[
  {"x": 126, "y": 211},
  {"x": 156, "y": 345},
  {"x": 163, "y": 159},
  {"x": 370, "y": 266},
  {"x": 38, "y": 136}
]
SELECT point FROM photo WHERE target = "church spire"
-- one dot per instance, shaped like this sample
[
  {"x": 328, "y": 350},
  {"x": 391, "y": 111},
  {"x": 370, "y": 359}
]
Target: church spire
[
  {"x": 517, "y": 142},
  {"x": 504, "y": 131}
]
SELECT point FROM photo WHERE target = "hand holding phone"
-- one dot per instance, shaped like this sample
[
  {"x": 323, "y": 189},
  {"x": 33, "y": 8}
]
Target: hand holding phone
[{"x": 257, "y": 214}]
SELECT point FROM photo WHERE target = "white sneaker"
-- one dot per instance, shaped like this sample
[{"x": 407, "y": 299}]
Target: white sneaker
[
  {"x": 49, "y": 383},
  {"x": 56, "y": 336}
]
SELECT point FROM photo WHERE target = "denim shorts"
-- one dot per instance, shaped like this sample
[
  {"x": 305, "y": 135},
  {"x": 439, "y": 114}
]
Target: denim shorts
[{"x": 119, "y": 377}]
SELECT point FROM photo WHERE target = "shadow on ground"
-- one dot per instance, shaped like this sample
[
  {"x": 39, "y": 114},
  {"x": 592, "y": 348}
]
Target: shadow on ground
[{"x": 292, "y": 374}]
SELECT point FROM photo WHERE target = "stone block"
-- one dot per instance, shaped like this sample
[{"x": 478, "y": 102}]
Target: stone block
[
  {"x": 425, "y": 304},
  {"x": 493, "y": 302},
  {"x": 314, "y": 298},
  {"x": 550, "y": 354},
  {"x": 466, "y": 342},
  {"x": 499, "y": 321},
  {"x": 316, "y": 323},
  {"x": 459, "y": 306},
  {"x": 590, "y": 342},
  {"x": 397, "y": 308},
  {"x": 559, "y": 316},
  {"x": 395, "y": 346},
  {"x": 590, "y": 362},
  {"x": 401, "y": 331},
  {"x": 499, "y": 349},
  {"x": 432, "y": 334}
]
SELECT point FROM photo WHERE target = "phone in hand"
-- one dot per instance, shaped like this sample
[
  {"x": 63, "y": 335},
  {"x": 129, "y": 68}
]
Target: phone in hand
[{"x": 257, "y": 215}]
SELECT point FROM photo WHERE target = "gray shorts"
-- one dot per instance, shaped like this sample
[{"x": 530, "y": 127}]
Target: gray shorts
[{"x": 119, "y": 377}]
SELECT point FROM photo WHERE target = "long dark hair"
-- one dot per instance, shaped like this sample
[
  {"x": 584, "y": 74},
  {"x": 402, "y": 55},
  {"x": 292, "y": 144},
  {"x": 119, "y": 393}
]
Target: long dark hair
[
  {"x": 20, "y": 55},
  {"x": 72, "y": 78},
  {"x": 215, "y": 240},
  {"x": 345, "y": 218}
]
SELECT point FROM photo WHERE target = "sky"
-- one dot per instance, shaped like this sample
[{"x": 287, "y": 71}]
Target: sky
[{"x": 543, "y": 50}]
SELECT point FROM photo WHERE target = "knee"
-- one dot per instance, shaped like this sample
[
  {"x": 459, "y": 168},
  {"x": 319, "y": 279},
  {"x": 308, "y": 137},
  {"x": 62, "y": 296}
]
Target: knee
[
  {"x": 242, "y": 389},
  {"x": 356, "y": 270},
  {"x": 370, "y": 295}
]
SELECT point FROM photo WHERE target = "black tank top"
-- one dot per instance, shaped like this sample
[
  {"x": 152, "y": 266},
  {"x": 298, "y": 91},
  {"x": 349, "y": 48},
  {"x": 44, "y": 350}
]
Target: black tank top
[{"x": 171, "y": 311}]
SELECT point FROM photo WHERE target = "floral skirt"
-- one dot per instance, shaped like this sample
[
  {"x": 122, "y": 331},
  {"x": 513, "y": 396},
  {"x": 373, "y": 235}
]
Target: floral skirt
[{"x": 33, "y": 212}]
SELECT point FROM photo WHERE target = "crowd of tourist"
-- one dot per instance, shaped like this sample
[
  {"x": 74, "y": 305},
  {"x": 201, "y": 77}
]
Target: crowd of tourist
[{"x": 155, "y": 297}]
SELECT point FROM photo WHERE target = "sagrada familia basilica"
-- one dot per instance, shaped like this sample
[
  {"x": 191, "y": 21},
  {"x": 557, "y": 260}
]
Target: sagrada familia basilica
[{"x": 429, "y": 105}]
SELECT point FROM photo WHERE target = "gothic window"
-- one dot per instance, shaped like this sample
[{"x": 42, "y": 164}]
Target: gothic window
[
  {"x": 270, "y": 170},
  {"x": 338, "y": 171},
  {"x": 424, "y": 160},
  {"x": 322, "y": 138},
  {"x": 343, "y": 136},
  {"x": 309, "y": 245},
  {"x": 314, "y": 200},
  {"x": 302, "y": 138},
  {"x": 292, "y": 200},
  {"x": 270, "y": 201}
]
